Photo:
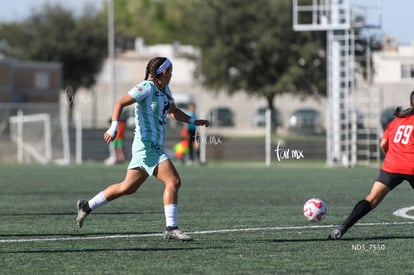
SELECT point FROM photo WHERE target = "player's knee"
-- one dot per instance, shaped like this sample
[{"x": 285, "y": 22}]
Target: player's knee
[
  {"x": 177, "y": 182},
  {"x": 174, "y": 182},
  {"x": 127, "y": 189},
  {"x": 130, "y": 191},
  {"x": 374, "y": 201}
]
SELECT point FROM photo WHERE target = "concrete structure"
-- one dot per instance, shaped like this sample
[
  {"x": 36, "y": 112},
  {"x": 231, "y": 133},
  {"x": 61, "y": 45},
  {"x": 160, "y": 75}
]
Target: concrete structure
[
  {"x": 29, "y": 81},
  {"x": 393, "y": 75}
]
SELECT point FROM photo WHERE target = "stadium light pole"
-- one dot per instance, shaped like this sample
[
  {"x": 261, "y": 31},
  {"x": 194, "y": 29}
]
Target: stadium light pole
[
  {"x": 268, "y": 139},
  {"x": 111, "y": 54}
]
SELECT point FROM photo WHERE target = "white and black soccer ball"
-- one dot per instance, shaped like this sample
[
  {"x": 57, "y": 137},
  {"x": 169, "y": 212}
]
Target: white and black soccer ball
[{"x": 315, "y": 209}]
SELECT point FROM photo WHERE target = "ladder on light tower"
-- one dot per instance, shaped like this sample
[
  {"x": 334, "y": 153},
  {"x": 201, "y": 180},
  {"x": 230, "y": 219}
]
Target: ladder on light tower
[{"x": 337, "y": 18}]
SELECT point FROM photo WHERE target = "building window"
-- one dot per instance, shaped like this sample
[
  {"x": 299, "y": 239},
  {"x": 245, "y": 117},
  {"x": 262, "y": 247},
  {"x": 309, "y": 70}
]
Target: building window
[
  {"x": 42, "y": 80},
  {"x": 407, "y": 71}
]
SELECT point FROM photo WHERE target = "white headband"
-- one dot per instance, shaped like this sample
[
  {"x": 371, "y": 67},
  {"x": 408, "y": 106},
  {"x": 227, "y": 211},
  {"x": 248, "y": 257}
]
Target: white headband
[{"x": 164, "y": 66}]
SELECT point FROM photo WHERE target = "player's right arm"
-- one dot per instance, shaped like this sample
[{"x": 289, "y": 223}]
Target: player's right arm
[
  {"x": 385, "y": 139},
  {"x": 384, "y": 145},
  {"x": 126, "y": 100}
]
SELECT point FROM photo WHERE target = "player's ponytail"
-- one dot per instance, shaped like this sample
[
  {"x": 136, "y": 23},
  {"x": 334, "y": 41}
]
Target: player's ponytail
[
  {"x": 152, "y": 66},
  {"x": 399, "y": 112}
]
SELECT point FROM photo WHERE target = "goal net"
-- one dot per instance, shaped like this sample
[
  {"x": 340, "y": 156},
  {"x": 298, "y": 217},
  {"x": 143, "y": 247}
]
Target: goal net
[{"x": 40, "y": 137}]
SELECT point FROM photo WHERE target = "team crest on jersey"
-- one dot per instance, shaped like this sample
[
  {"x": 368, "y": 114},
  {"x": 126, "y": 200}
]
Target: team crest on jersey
[{"x": 139, "y": 88}]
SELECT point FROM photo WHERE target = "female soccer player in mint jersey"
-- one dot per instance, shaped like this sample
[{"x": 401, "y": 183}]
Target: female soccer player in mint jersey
[
  {"x": 153, "y": 102},
  {"x": 397, "y": 143}
]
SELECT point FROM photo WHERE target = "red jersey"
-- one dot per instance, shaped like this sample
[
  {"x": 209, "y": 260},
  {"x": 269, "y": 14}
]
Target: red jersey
[{"x": 399, "y": 158}]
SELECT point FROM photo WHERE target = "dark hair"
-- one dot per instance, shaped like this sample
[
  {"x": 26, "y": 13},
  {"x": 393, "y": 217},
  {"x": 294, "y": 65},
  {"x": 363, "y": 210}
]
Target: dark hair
[
  {"x": 152, "y": 67},
  {"x": 399, "y": 112},
  {"x": 412, "y": 98}
]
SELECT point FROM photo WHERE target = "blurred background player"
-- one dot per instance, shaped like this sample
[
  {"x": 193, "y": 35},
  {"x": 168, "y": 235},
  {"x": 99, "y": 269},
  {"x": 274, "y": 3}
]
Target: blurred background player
[
  {"x": 116, "y": 149},
  {"x": 185, "y": 150},
  {"x": 193, "y": 148},
  {"x": 180, "y": 149},
  {"x": 397, "y": 144}
]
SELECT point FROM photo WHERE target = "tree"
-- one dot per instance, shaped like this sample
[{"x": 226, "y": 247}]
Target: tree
[
  {"x": 252, "y": 47},
  {"x": 55, "y": 34},
  {"x": 156, "y": 21}
]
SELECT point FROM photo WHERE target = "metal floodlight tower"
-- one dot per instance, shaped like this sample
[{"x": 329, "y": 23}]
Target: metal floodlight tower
[{"x": 334, "y": 16}]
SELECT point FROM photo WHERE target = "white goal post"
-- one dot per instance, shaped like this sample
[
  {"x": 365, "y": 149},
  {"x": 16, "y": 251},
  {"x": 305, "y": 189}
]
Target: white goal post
[{"x": 39, "y": 139}]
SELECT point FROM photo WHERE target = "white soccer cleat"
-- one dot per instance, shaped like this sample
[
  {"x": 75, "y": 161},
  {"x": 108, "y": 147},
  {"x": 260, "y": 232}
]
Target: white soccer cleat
[
  {"x": 173, "y": 233},
  {"x": 83, "y": 211}
]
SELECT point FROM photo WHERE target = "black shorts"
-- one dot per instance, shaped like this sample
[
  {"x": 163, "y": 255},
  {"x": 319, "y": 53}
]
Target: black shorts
[{"x": 392, "y": 180}]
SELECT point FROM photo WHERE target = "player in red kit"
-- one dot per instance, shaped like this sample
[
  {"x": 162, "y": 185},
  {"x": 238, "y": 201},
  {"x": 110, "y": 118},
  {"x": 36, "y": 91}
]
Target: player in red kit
[{"x": 397, "y": 143}]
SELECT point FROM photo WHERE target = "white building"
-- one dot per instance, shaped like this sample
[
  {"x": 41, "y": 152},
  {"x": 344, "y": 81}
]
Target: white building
[{"x": 393, "y": 73}]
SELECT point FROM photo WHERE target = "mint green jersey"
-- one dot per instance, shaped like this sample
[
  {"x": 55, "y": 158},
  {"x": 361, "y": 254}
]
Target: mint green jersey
[{"x": 151, "y": 110}]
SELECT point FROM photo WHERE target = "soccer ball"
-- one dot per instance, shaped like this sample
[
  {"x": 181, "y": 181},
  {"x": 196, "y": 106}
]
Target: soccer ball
[{"x": 315, "y": 209}]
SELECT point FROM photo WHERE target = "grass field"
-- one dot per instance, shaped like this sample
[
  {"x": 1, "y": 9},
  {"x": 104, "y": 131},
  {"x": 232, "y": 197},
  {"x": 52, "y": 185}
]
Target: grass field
[{"x": 245, "y": 219}]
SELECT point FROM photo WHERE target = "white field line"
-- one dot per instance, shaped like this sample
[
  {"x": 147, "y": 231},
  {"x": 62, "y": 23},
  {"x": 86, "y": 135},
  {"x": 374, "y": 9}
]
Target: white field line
[
  {"x": 218, "y": 231},
  {"x": 82, "y": 238},
  {"x": 403, "y": 212}
]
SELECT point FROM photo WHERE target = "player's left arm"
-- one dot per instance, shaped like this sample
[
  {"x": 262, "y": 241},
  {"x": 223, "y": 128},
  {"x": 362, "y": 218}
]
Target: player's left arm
[{"x": 179, "y": 115}]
